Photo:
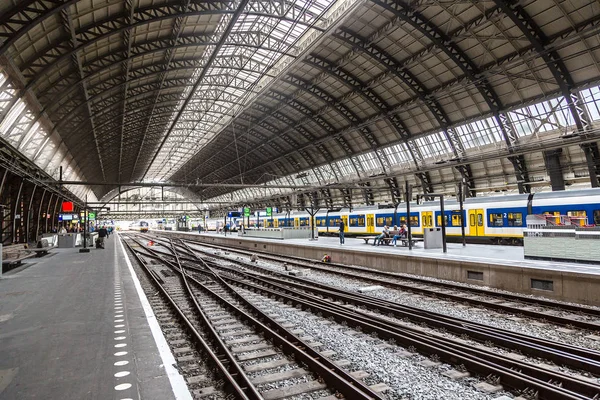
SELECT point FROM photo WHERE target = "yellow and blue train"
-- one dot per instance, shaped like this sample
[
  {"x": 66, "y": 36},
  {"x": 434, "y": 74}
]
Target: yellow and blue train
[{"x": 494, "y": 219}]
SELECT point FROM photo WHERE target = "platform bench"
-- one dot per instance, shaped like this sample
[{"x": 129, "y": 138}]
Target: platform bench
[
  {"x": 413, "y": 241},
  {"x": 42, "y": 248},
  {"x": 13, "y": 256},
  {"x": 386, "y": 240}
]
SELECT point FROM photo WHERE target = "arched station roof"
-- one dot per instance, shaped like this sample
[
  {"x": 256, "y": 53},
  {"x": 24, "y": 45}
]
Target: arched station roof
[{"x": 250, "y": 91}]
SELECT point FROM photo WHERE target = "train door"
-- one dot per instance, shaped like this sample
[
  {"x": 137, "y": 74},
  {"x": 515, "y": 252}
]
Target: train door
[
  {"x": 427, "y": 219},
  {"x": 296, "y": 222},
  {"x": 370, "y": 223},
  {"x": 476, "y": 219},
  {"x": 345, "y": 219}
]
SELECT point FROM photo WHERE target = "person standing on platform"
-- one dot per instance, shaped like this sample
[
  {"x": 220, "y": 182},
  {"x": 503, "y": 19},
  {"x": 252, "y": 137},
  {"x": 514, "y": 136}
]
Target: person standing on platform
[{"x": 342, "y": 226}]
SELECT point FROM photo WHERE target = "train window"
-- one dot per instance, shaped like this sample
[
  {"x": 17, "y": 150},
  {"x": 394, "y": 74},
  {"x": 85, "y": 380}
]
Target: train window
[
  {"x": 515, "y": 219},
  {"x": 381, "y": 221},
  {"x": 439, "y": 220},
  {"x": 479, "y": 219},
  {"x": 576, "y": 213},
  {"x": 496, "y": 220},
  {"x": 456, "y": 220},
  {"x": 357, "y": 220},
  {"x": 414, "y": 220},
  {"x": 472, "y": 219},
  {"x": 597, "y": 217}
]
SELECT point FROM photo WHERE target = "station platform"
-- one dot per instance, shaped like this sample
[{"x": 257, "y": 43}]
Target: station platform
[
  {"x": 78, "y": 326},
  {"x": 502, "y": 267}
]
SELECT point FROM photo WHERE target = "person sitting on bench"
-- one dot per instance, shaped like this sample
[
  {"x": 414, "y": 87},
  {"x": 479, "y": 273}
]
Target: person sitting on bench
[
  {"x": 384, "y": 233},
  {"x": 401, "y": 234}
]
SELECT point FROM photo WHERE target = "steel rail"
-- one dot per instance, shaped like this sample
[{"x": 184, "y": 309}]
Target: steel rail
[
  {"x": 478, "y": 361},
  {"x": 292, "y": 345},
  {"x": 515, "y": 297},
  {"x": 541, "y": 374},
  {"x": 235, "y": 388},
  {"x": 572, "y": 356}
]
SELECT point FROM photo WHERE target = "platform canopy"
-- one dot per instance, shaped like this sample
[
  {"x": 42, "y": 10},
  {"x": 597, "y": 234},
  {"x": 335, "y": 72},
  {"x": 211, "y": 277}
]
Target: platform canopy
[{"x": 498, "y": 94}]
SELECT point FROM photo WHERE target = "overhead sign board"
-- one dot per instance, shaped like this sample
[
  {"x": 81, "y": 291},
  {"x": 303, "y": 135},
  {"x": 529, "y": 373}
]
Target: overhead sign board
[
  {"x": 91, "y": 216},
  {"x": 67, "y": 206},
  {"x": 269, "y": 211},
  {"x": 246, "y": 211}
]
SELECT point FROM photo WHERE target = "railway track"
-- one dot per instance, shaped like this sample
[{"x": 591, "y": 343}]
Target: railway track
[
  {"x": 256, "y": 355},
  {"x": 564, "y": 314},
  {"x": 385, "y": 320}
]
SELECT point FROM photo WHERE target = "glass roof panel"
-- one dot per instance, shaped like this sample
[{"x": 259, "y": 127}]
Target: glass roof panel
[{"x": 254, "y": 46}]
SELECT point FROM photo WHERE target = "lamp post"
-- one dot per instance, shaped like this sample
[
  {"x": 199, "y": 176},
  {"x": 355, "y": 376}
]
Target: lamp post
[{"x": 85, "y": 228}]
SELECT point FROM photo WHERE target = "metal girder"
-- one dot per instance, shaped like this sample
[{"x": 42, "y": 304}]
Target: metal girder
[
  {"x": 426, "y": 184},
  {"x": 126, "y": 67},
  {"x": 119, "y": 55},
  {"x": 395, "y": 190},
  {"x": 467, "y": 178},
  {"x": 366, "y": 92},
  {"x": 303, "y": 109},
  {"x": 367, "y": 193},
  {"x": 557, "y": 67},
  {"x": 554, "y": 169},
  {"x": 348, "y": 114},
  {"x": 592, "y": 157},
  {"x": 56, "y": 95},
  {"x": 471, "y": 71},
  {"x": 555, "y": 64},
  {"x": 346, "y": 197},
  {"x": 19, "y": 20},
  {"x": 209, "y": 61},
  {"x": 70, "y": 29},
  {"x": 521, "y": 173},
  {"x": 366, "y": 46},
  {"x": 55, "y": 52},
  {"x": 105, "y": 101}
]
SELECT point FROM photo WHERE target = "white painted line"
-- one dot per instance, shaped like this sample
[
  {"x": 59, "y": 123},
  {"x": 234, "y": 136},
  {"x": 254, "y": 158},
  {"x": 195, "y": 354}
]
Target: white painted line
[{"x": 180, "y": 389}]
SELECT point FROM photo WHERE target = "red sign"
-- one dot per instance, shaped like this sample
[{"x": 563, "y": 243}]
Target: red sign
[{"x": 67, "y": 206}]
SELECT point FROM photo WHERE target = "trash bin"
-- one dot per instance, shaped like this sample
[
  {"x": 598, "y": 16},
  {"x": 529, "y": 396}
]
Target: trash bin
[
  {"x": 66, "y": 240},
  {"x": 432, "y": 238}
]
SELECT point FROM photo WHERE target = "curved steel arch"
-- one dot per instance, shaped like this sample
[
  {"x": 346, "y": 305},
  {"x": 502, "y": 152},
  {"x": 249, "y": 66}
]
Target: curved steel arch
[
  {"x": 557, "y": 67},
  {"x": 367, "y": 93},
  {"x": 447, "y": 45},
  {"x": 169, "y": 98},
  {"x": 149, "y": 47},
  {"x": 72, "y": 114},
  {"x": 291, "y": 124},
  {"x": 296, "y": 105}
]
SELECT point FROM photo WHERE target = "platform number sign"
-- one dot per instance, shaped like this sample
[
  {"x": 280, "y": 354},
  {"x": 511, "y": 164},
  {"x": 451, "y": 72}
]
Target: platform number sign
[
  {"x": 269, "y": 211},
  {"x": 246, "y": 211}
]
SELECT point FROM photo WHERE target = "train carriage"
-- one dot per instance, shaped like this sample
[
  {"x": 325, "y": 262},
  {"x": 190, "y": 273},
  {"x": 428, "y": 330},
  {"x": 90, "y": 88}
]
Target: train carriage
[{"x": 494, "y": 219}]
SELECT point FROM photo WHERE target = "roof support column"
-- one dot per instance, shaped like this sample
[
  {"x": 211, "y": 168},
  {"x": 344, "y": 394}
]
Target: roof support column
[
  {"x": 467, "y": 176},
  {"x": 554, "y": 169},
  {"x": 425, "y": 179},
  {"x": 592, "y": 157},
  {"x": 395, "y": 190},
  {"x": 521, "y": 173}
]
